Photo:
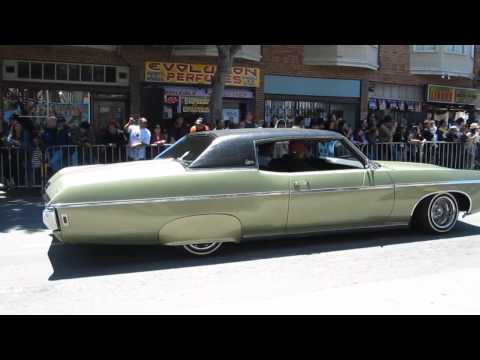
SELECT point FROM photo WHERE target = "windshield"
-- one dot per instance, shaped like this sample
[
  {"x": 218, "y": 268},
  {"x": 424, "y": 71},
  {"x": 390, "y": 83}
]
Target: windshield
[{"x": 187, "y": 149}]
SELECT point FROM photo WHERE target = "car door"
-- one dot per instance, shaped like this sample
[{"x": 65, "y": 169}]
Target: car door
[{"x": 344, "y": 195}]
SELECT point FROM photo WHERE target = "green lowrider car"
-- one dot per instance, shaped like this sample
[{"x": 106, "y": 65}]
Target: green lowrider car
[{"x": 235, "y": 185}]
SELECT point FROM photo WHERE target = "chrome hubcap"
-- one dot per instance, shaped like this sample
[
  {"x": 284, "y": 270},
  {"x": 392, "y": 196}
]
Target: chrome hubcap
[
  {"x": 202, "y": 249},
  {"x": 443, "y": 212}
]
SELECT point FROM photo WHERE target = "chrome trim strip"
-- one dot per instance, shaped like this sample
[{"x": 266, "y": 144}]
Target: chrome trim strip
[
  {"x": 353, "y": 188},
  {"x": 452, "y": 182},
  {"x": 170, "y": 199},
  {"x": 360, "y": 227}
]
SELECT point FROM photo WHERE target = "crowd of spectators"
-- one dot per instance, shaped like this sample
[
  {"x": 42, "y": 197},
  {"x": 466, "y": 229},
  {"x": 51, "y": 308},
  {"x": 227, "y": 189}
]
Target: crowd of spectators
[
  {"x": 387, "y": 130},
  {"x": 135, "y": 136}
]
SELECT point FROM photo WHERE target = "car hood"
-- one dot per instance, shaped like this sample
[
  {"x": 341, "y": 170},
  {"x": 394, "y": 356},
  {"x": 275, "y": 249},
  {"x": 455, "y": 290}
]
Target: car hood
[
  {"x": 418, "y": 173},
  {"x": 106, "y": 175}
]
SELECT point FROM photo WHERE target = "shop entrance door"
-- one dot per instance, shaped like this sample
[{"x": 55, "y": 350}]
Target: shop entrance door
[{"x": 106, "y": 111}]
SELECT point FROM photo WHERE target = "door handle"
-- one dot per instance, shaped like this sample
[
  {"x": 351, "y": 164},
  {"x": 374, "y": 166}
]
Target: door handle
[{"x": 297, "y": 184}]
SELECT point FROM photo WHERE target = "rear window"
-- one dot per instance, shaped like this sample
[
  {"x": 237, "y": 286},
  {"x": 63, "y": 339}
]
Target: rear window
[{"x": 188, "y": 148}]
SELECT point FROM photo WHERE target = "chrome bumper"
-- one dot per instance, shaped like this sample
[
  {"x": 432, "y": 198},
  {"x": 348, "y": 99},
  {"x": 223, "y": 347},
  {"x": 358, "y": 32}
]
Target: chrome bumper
[{"x": 50, "y": 219}]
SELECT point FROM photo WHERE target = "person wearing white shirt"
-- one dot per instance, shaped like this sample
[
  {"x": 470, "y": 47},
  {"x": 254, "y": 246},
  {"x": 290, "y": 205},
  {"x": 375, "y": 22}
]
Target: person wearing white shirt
[{"x": 139, "y": 139}]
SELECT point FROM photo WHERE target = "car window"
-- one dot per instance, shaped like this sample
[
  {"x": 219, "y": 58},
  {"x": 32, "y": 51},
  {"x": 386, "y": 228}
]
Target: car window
[
  {"x": 187, "y": 149},
  {"x": 227, "y": 152},
  {"x": 306, "y": 155}
]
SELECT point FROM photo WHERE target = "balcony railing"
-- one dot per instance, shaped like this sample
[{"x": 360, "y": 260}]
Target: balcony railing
[
  {"x": 439, "y": 60},
  {"x": 363, "y": 56}
]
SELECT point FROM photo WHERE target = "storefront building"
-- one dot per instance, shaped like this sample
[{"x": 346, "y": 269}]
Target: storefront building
[
  {"x": 77, "y": 92},
  {"x": 289, "y": 96},
  {"x": 174, "y": 89},
  {"x": 450, "y": 103}
]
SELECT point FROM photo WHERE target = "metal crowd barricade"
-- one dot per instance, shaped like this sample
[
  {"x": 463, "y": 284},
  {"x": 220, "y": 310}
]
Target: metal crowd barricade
[
  {"x": 17, "y": 168},
  {"x": 446, "y": 154},
  {"x": 20, "y": 168},
  {"x": 58, "y": 157}
]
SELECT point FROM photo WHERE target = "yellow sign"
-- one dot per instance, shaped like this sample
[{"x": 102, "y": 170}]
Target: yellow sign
[
  {"x": 196, "y": 101},
  {"x": 177, "y": 73},
  {"x": 196, "y": 109}
]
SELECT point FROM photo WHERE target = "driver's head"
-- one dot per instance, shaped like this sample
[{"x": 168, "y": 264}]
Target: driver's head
[{"x": 297, "y": 149}]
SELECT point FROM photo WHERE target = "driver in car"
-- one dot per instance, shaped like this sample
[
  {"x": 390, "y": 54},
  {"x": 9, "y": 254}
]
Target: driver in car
[{"x": 295, "y": 160}]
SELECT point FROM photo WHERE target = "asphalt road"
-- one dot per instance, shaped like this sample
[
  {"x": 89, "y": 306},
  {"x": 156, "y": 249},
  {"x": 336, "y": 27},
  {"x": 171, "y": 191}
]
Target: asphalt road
[{"x": 382, "y": 272}]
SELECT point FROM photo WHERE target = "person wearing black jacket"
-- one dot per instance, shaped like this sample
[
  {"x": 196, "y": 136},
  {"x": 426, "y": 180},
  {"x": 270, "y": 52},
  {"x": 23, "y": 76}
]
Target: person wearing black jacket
[{"x": 115, "y": 139}]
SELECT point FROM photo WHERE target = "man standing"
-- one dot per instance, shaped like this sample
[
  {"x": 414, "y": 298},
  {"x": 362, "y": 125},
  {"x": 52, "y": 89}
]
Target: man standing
[
  {"x": 139, "y": 138},
  {"x": 199, "y": 126},
  {"x": 177, "y": 131},
  {"x": 249, "y": 123},
  {"x": 387, "y": 129}
]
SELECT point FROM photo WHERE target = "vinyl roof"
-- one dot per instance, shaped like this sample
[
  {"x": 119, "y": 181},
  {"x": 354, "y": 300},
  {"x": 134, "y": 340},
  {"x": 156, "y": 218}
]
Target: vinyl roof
[{"x": 269, "y": 133}]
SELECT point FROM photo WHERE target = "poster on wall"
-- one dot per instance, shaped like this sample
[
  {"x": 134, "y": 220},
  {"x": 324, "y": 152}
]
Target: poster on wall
[
  {"x": 232, "y": 115},
  {"x": 73, "y": 106},
  {"x": 382, "y": 105},
  {"x": 74, "y": 114},
  {"x": 372, "y": 104}
]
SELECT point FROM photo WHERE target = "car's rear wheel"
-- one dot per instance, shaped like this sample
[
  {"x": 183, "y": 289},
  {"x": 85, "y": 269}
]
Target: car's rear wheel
[
  {"x": 437, "y": 214},
  {"x": 202, "y": 249}
]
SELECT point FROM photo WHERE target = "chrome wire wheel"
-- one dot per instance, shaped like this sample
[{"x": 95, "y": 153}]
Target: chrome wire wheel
[
  {"x": 203, "y": 249},
  {"x": 443, "y": 213}
]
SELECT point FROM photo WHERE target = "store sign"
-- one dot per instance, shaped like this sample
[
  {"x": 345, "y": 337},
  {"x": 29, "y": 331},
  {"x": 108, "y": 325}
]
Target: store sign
[
  {"x": 199, "y": 74},
  {"x": 195, "y": 105},
  {"x": 171, "y": 100},
  {"x": 195, "y": 109},
  {"x": 196, "y": 101},
  {"x": 443, "y": 94},
  {"x": 467, "y": 96},
  {"x": 199, "y": 92},
  {"x": 453, "y": 95}
]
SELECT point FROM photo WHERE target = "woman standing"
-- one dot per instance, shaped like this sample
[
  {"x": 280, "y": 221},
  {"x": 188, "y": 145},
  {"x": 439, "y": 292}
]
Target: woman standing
[{"x": 20, "y": 149}]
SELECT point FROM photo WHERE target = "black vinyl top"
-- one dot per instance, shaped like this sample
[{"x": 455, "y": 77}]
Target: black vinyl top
[
  {"x": 234, "y": 148},
  {"x": 271, "y": 133}
]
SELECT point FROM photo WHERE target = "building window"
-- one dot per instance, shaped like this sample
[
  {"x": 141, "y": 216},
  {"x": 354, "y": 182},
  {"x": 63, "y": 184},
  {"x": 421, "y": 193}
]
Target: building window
[
  {"x": 458, "y": 49},
  {"x": 110, "y": 74},
  {"x": 36, "y": 69},
  {"x": 49, "y": 71},
  {"x": 99, "y": 74},
  {"x": 23, "y": 70},
  {"x": 74, "y": 73},
  {"x": 62, "y": 72},
  {"x": 87, "y": 73},
  {"x": 424, "y": 48}
]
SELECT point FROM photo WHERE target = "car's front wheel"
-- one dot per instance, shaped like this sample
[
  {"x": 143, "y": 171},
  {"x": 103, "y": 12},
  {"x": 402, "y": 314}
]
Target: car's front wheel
[
  {"x": 202, "y": 249},
  {"x": 437, "y": 215}
]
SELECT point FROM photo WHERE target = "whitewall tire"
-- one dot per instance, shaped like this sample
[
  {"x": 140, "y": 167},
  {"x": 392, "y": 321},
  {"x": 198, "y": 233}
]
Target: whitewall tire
[
  {"x": 438, "y": 214},
  {"x": 202, "y": 249}
]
